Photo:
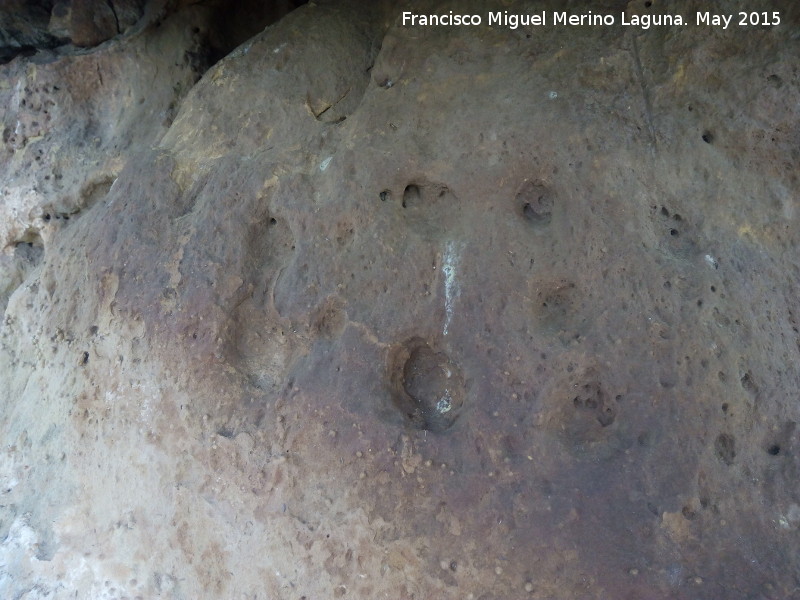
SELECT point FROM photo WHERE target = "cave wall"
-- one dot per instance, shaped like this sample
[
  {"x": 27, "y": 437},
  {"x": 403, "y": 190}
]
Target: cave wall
[{"x": 363, "y": 310}]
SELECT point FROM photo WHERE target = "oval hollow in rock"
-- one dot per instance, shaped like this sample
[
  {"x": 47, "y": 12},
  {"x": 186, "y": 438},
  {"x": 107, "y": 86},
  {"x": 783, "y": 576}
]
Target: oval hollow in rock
[
  {"x": 428, "y": 388},
  {"x": 412, "y": 196}
]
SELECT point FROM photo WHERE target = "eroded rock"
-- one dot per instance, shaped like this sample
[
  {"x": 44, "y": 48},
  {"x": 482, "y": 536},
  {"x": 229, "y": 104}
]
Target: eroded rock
[{"x": 367, "y": 310}]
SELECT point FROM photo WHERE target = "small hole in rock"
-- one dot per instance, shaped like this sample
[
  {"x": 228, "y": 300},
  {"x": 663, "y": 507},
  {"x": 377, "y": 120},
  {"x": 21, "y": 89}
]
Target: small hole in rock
[
  {"x": 411, "y": 196},
  {"x": 708, "y": 137},
  {"x": 775, "y": 79},
  {"x": 273, "y": 221},
  {"x": 674, "y": 232},
  {"x": 385, "y": 195},
  {"x": 774, "y": 450},
  {"x": 748, "y": 383},
  {"x": 85, "y": 358}
]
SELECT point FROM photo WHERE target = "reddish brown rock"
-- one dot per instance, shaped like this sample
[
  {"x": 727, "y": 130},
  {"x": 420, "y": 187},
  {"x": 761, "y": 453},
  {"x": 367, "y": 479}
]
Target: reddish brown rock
[{"x": 383, "y": 311}]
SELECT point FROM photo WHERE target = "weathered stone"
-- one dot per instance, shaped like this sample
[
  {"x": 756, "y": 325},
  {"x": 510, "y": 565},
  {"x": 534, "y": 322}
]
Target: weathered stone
[{"x": 411, "y": 312}]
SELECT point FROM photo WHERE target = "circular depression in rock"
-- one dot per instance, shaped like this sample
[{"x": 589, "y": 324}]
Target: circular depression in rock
[
  {"x": 428, "y": 387},
  {"x": 535, "y": 201}
]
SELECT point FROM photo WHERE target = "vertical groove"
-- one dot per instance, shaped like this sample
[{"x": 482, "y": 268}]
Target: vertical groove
[{"x": 648, "y": 108}]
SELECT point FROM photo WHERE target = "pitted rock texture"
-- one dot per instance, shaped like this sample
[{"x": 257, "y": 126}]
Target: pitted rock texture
[{"x": 373, "y": 311}]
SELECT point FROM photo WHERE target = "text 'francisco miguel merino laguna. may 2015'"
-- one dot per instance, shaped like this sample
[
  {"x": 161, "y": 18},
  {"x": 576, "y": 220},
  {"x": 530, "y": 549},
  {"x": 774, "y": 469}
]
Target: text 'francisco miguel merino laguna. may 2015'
[{"x": 563, "y": 18}]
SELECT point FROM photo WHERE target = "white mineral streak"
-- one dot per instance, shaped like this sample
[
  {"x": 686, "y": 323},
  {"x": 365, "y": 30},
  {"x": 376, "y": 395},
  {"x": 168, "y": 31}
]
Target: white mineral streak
[{"x": 452, "y": 289}]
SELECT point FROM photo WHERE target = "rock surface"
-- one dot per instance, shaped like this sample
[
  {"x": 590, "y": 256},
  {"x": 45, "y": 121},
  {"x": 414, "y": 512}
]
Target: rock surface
[
  {"x": 373, "y": 311},
  {"x": 30, "y": 26}
]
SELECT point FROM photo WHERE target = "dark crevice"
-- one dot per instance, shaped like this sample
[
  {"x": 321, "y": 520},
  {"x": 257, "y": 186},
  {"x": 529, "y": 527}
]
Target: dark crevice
[
  {"x": 14, "y": 270},
  {"x": 15, "y": 42},
  {"x": 8, "y": 54},
  {"x": 25, "y": 32},
  {"x": 114, "y": 12},
  {"x": 236, "y": 22}
]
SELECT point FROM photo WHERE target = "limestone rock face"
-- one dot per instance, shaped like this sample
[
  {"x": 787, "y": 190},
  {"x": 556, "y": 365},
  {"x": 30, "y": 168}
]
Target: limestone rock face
[{"x": 374, "y": 311}]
